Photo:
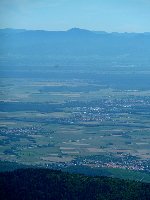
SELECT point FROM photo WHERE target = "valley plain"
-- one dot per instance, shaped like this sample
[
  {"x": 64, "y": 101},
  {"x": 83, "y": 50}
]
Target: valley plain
[{"x": 64, "y": 110}]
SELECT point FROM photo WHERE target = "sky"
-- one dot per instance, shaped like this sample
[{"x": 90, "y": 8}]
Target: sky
[{"x": 98, "y": 15}]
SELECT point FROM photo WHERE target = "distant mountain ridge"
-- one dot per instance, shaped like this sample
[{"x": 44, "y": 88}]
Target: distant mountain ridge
[
  {"x": 73, "y": 30},
  {"x": 19, "y": 43}
]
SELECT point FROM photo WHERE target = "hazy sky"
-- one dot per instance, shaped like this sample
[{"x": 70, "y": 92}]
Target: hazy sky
[{"x": 107, "y": 15}]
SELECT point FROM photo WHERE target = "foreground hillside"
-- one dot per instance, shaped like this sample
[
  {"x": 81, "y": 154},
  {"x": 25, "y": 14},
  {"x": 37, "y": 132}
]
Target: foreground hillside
[{"x": 49, "y": 184}]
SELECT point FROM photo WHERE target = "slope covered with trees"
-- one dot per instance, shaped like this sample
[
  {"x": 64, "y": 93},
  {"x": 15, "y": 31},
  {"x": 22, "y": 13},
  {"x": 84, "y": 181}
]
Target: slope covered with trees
[{"x": 49, "y": 184}]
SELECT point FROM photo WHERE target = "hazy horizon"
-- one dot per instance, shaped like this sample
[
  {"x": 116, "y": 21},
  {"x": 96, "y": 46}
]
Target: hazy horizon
[
  {"x": 70, "y": 29},
  {"x": 116, "y": 16}
]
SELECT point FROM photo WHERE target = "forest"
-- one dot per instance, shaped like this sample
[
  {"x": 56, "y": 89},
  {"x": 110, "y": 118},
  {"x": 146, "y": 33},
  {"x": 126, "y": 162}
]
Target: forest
[{"x": 44, "y": 184}]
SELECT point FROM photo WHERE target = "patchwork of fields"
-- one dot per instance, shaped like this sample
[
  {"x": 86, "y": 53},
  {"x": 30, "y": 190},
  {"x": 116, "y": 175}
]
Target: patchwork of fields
[{"x": 74, "y": 121}]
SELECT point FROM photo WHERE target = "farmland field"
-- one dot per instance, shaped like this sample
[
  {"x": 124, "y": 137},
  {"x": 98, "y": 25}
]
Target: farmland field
[{"x": 74, "y": 120}]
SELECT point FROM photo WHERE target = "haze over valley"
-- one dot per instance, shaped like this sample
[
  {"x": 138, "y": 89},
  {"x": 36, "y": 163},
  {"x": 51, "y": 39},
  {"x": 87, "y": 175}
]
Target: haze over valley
[{"x": 76, "y": 100}]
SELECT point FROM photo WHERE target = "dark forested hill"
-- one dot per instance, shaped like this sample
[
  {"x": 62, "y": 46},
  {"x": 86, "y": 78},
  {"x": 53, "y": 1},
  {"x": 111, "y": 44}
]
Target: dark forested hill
[{"x": 49, "y": 184}]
